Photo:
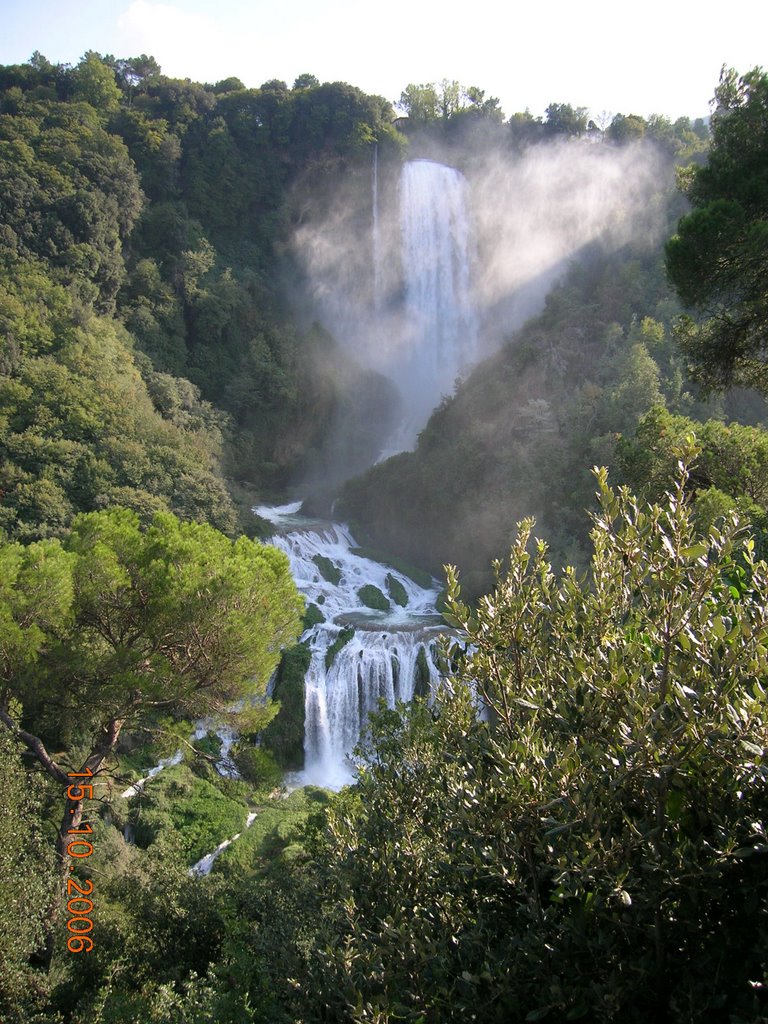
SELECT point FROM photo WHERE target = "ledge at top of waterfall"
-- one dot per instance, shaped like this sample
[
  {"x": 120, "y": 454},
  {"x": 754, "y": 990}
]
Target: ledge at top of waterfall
[{"x": 371, "y": 638}]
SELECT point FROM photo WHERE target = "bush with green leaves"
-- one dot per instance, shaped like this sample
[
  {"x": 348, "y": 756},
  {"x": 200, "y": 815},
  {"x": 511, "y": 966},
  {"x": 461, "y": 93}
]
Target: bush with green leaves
[
  {"x": 27, "y": 886},
  {"x": 595, "y": 847}
]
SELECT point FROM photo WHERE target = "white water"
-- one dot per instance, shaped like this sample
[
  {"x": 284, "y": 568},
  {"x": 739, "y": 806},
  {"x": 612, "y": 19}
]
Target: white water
[
  {"x": 414, "y": 319},
  {"x": 376, "y": 233},
  {"x": 439, "y": 323},
  {"x": 380, "y": 660}
]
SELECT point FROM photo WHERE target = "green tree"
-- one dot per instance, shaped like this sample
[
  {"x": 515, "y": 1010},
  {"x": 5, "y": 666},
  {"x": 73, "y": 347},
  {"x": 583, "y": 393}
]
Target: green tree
[
  {"x": 525, "y": 128},
  {"x": 446, "y": 100},
  {"x": 731, "y": 472},
  {"x": 563, "y": 119},
  {"x": 69, "y": 194},
  {"x": 81, "y": 428},
  {"x": 718, "y": 259},
  {"x": 488, "y": 107},
  {"x": 136, "y": 74},
  {"x": 27, "y": 883},
  {"x": 306, "y": 81},
  {"x": 450, "y": 98},
  {"x": 625, "y": 128},
  {"x": 35, "y": 601},
  {"x": 174, "y": 619},
  {"x": 420, "y": 103},
  {"x": 635, "y": 390},
  {"x": 94, "y": 83}
]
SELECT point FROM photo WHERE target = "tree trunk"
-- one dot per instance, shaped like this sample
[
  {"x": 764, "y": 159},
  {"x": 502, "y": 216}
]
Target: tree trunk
[{"x": 73, "y": 812}]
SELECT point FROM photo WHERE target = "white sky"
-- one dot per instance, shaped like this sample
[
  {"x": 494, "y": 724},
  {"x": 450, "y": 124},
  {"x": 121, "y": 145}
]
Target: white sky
[{"x": 663, "y": 56}]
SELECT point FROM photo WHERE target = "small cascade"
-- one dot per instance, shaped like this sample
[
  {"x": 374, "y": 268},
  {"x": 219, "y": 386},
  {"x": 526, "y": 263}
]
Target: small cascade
[
  {"x": 360, "y": 655},
  {"x": 166, "y": 762},
  {"x": 204, "y": 865},
  {"x": 225, "y": 765}
]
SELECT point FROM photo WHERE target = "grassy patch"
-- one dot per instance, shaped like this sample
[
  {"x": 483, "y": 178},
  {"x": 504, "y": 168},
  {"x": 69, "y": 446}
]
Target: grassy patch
[
  {"x": 189, "y": 813},
  {"x": 276, "y": 833}
]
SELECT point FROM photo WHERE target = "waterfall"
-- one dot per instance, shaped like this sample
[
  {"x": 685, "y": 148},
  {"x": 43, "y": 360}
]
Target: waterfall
[
  {"x": 393, "y": 282},
  {"x": 376, "y": 232},
  {"x": 372, "y": 666},
  {"x": 386, "y": 653},
  {"x": 440, "y": 327}
]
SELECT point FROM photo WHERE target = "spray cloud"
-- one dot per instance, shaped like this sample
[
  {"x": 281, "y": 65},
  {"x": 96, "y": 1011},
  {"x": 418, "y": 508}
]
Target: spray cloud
[{"x": 512, "y": 223}]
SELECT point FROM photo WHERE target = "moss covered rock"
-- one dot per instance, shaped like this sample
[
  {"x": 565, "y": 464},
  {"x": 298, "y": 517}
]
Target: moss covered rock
[
  {"x": 397, "y": 591},
  {"x": 284, "y": 736},
  {"x": 330, "y": 572},
  {"x": 372, "y": 597},
  {"x": 341, "y": 640},
  {"x": 312, "y": 616},
  {"x": 421, "y": 687}
]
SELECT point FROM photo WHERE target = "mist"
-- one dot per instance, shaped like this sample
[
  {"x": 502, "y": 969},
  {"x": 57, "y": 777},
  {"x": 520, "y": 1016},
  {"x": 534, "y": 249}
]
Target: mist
[{"x": 524, "y": 220}]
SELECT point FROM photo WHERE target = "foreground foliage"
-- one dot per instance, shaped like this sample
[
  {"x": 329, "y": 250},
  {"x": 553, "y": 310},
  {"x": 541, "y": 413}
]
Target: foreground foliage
[
  {"x": 26, "y": 888},
  {"x": 595, "y": 849}
]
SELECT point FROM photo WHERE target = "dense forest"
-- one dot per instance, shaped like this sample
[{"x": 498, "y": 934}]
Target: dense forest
[{"x": 590, "y": 846}]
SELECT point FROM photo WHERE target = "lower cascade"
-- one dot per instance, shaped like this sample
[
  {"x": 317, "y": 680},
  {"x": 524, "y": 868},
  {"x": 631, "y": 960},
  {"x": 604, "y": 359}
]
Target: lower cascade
[{"x": 374, "y": 641}]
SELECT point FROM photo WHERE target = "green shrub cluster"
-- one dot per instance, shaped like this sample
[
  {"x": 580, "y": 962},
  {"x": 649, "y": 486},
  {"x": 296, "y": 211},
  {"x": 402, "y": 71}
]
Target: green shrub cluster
[{"x": 595, "y": 849}]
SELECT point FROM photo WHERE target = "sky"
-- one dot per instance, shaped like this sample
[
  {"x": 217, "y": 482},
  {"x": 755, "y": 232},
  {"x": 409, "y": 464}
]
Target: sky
[{"x": 663, "y": 56}]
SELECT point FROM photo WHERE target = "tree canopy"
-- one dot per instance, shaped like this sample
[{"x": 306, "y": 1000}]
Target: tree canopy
[
  {"x": 718, "y": 260},
  {"x": 123, "y": 623}
]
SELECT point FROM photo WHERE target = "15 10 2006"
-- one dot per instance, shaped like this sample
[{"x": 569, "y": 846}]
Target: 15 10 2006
[{"x": 79, "y": 903}]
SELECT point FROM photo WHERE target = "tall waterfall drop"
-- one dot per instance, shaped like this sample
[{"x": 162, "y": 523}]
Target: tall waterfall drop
[
  {"x": 360, "y": 655},
  {"x": 376, "y": 232},
  {"x": 390, "y": 274},
  {"x": 439, "y": 323}
]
